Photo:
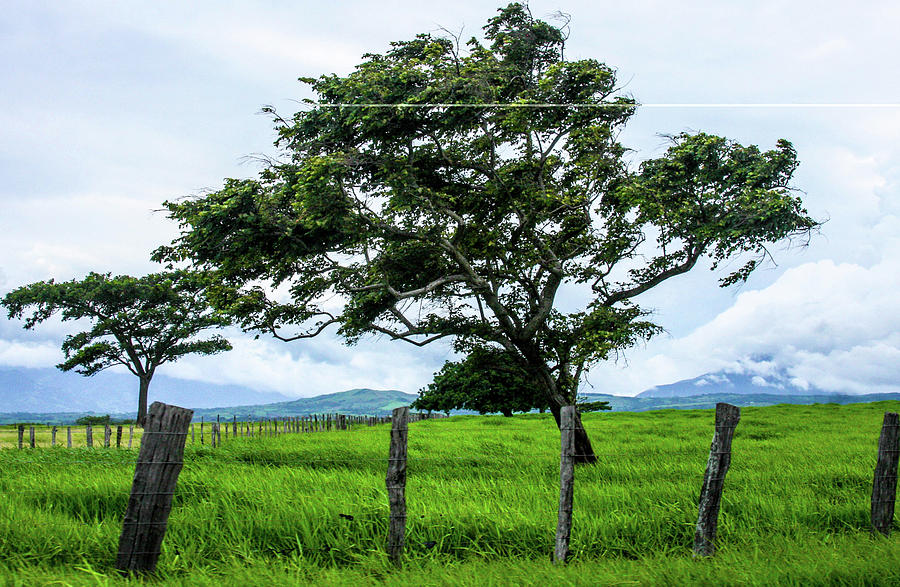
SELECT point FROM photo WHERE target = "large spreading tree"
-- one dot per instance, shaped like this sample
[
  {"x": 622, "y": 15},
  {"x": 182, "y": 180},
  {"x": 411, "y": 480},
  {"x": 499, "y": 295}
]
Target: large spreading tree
[
  {"x": 138, "y": 322},
  {"x": 441, "y": 191}
]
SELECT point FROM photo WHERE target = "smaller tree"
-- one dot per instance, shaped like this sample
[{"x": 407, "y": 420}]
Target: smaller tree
[
  {"x": 138, "y": 322},
  {"x": 487, "y": 380}
]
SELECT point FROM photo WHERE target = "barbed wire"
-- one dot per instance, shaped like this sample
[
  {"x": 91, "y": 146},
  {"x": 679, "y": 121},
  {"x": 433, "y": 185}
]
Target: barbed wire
[{"x": 486, "y": 459}]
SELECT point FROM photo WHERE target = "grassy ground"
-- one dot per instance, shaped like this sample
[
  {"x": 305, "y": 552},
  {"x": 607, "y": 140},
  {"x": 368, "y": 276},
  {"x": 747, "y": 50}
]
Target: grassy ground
[
  {"x": 43, "y": 436},
  {"x": 481, "y": 495}
]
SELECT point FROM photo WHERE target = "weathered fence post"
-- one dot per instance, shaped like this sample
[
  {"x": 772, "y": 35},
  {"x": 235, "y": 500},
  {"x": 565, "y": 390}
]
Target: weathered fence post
[
  {"x": 727, "y": 418},
  {"x": 566, "y": 482},
  {"x": 31, "y": 436},
  {"x": 53, "y": 436},
  {"x": 107, "y": 433},
  {"x": 158, "y": 464},
  {"x": 21, "y": 435},
  {"x": 119, "y": 436},
  {"x": 396, "y": 485},
  {"x": 89, "y": 436},
  {"x": 130, "y": 435},
  {"x": 884, "y": 486},
  {"x": 68, "y": 437}
]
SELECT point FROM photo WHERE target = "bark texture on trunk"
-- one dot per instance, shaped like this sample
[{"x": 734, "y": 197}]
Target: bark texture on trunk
[
  {"x": 142, "y": 401},
  {"x": 584, "y": 452}
]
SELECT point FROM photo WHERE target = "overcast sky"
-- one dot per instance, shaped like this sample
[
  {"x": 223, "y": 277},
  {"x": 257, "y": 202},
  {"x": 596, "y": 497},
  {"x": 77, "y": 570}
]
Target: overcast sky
[{"x": 109, "y": 108}]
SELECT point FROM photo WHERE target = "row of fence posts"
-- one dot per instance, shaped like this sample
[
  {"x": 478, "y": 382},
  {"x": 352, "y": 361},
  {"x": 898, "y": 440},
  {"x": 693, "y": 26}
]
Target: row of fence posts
[
  {"x": 161, "y": 457},
  {"x": 884, "y": 487},
  {"x": 259, "y": 428},
  {"x": 286, "y": 425},
  {"x": 88, "y": 436}
]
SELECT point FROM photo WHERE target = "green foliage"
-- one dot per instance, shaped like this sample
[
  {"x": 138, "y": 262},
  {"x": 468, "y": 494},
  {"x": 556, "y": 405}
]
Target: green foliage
[
  {"x": 488, "y": 380},
  {"x": 449, "y": 190},
  {"x": 585, "y": 406},
  {"x": 138, "y": 322},
  {"x": 92, "y": 420}
]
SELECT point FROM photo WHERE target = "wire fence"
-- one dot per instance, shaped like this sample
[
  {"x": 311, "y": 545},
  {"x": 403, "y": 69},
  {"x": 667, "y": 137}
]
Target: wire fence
[{"x": 645, "y": 460}]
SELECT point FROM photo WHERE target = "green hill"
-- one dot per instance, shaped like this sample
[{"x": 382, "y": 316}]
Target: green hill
[{"x": 354, "y": 402}]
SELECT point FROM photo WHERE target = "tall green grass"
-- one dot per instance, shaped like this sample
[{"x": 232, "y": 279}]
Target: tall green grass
[{"x": 481, "y": 495}]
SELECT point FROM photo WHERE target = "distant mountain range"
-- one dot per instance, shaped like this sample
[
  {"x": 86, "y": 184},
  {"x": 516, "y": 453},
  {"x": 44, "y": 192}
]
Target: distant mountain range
[
  {"x": 48, "y": 395},
  {"x": 49, "y": 390},
  {"x": 738, "y": 389},
  {"x": 733, "y": 383}
]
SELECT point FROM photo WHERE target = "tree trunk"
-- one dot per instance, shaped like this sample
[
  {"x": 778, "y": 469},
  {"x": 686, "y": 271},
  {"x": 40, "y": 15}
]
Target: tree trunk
[
  {"x": 584, "y": 452},
  {"x": 142, "y": 401}
]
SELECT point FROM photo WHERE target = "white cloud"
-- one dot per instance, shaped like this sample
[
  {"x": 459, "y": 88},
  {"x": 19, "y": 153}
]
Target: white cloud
[
  {"x": 318, "y": 366},
  {"x": 832, "y": 326},
  {"x": 27, "y": 354},
  {"x": 65, "y": 237},
  {"x": 827, "y": 49}
]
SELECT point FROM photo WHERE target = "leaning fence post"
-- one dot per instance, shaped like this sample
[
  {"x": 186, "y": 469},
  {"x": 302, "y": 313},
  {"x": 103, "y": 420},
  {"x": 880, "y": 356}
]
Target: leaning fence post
[
  {"x": 158, "y": 464},
  {"x": 396, "y": 484},
  {"x": 727, "y": 418},
  {"x": 566, "y": 482},
  {"x": 884, "y": 486}
]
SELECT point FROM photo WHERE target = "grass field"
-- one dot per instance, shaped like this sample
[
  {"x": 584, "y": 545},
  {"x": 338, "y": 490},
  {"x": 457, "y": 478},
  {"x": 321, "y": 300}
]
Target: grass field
[
  {"x": 9, "y": 436},
  {"x": 482, "y": 495}
]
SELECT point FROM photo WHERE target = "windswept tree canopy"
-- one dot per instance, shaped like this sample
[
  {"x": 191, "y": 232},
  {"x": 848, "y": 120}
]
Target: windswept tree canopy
[
  {"x": 138, "y": 322},
  {"x": 442, "y": 190}
]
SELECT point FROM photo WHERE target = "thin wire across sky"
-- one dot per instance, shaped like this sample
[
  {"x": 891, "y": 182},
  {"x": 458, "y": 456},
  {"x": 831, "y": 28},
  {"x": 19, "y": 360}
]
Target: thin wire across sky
[{"x": 619, "y": 105}]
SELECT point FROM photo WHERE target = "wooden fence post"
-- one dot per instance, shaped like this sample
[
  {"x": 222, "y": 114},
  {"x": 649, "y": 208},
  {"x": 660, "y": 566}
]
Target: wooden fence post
[
  {"x": 53, "y": 436},
  {"x": 158, "y": 464},
  {"x": 31, "y": 436},
  {"x": 884, "y": 486},
  {"x": 119, "y": 436},
  {"x": 396, "y": 485},
  {"x": 130, "y": 435},
  {"x": 566, "y": 482},
  {"x": 68, "y": 437},
  {"x": 107, "y": 433},
  {"x": 21, "y": 435},
  {"x": 89, "y": 436},
  {"x": 727, "y": 418}
]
